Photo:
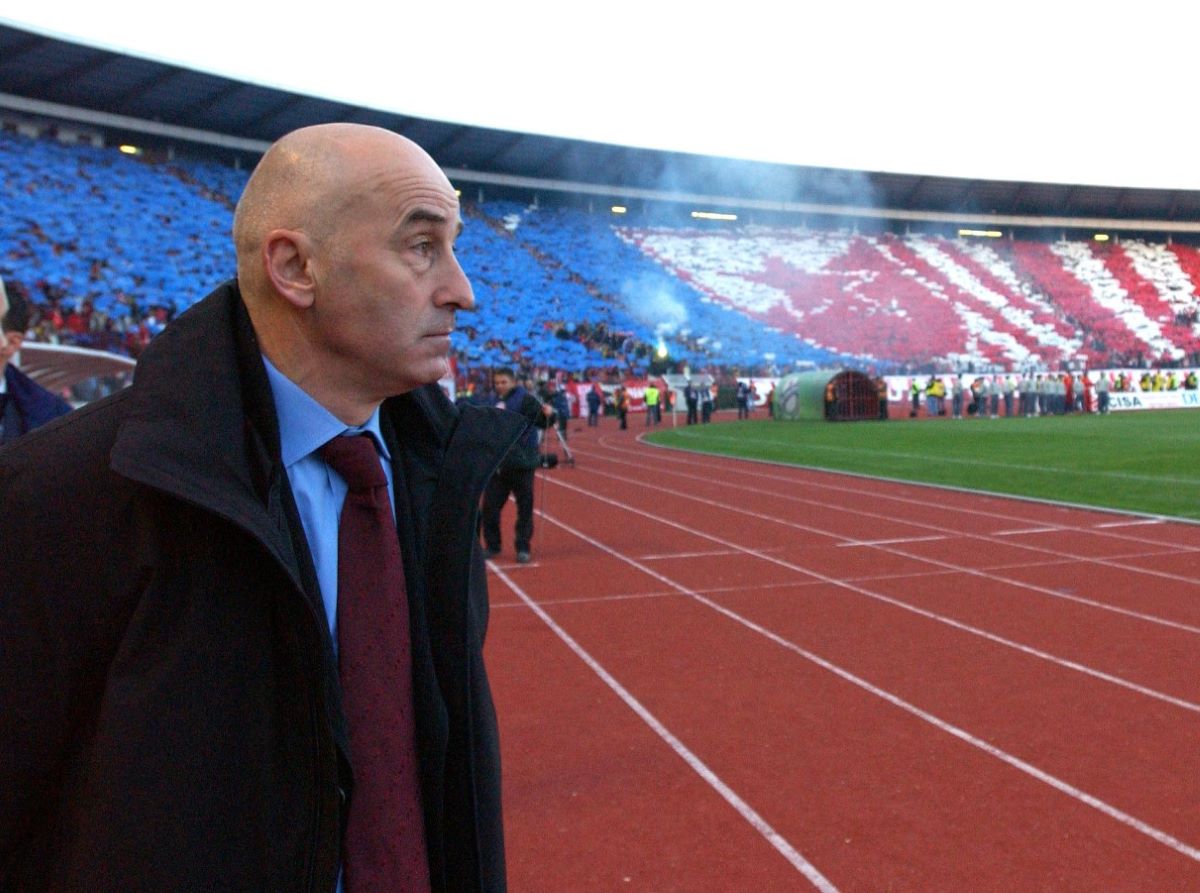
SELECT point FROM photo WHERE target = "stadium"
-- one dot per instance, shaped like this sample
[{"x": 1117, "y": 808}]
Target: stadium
[{"x": 951, "y": 646}]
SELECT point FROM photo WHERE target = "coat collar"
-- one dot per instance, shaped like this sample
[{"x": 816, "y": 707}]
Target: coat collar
[
  {"x": 202, "y": 420},
  {"x": 200, "y": 424},
  {"x": 202, "y": 427}
]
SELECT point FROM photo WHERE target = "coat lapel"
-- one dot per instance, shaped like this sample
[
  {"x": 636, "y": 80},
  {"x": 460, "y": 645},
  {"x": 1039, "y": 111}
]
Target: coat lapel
[{"x": 202, "y": 428}]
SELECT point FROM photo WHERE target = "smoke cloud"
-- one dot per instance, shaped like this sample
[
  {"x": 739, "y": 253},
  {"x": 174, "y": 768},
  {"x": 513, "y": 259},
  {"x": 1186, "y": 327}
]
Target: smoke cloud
[{"x": 649, "y": 303}]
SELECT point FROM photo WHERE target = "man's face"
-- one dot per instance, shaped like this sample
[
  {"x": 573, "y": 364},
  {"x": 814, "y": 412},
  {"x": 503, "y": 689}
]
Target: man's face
[
  {"x": 504, "y": 385},
  {"x": 10, "y": 342},
  {"x": 388, "y": 283},
  {"x": 10, "y": 345}
]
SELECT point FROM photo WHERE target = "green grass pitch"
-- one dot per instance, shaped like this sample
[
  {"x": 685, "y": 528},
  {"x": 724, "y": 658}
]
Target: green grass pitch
[{"x": 1138, "y": 461}]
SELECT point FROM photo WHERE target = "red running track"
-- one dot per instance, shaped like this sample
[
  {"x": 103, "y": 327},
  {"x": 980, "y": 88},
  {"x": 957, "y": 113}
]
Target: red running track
[{"x": 725, "y": 675}]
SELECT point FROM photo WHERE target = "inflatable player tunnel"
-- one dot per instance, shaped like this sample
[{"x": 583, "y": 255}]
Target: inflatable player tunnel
[{"x": 842, "y": 396}]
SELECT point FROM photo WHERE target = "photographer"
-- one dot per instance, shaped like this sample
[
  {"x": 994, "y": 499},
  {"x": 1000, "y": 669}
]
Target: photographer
[{"x": 556, "y": 398}]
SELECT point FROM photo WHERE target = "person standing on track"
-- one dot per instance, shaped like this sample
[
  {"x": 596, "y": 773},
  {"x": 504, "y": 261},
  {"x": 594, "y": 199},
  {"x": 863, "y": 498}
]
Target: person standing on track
[
  {"x": 621, "y": 404},
  {"x": 691, "y": 398},
  {"x": 743, "y": 399},
  {"x": 652, "y": 406},
  {"x": 516, "y": 472},
  {"x": 595, "y": 399},
  {"x": 556, "y": 398}
]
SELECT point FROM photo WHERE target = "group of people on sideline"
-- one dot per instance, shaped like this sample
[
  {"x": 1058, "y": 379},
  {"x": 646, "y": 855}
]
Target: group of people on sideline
[{"x": 1029, "y": 394}]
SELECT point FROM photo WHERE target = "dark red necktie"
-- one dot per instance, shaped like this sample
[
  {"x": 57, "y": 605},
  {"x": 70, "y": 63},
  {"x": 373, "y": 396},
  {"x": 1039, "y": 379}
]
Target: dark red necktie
[{"x": 384, "y": 849}]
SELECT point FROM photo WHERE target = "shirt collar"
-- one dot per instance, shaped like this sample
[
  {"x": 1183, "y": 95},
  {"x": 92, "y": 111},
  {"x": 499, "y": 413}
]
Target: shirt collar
[{"x": 305, "y": 425}]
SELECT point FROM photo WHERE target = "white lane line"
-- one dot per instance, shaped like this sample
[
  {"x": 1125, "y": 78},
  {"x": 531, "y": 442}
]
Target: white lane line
[
  {"x": 726, "y": 463},
  {"x": 669, "y": 555},
  {"x": 1041, "y": 775},
  {"x": 920, "y": 612},
  {"x": 743, "y": 808},
  {"x": 924, "y": 559},
  {"x": 1029, "y": 530},
  {"x": 1104, "y": 562},
  {"x": 904, "y": 539},
  {"x": 634, "y": 596},
  {"x": 590, "y": 599},
  {"x": 1142, "y": 522},
  {"x": 812, "y": 473},
  {"x": 1071, "y": 559},
  {"x": 796, "y": 584}
]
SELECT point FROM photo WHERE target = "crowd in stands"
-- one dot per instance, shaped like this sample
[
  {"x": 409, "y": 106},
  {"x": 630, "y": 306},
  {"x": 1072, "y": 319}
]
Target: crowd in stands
[
  {"x": 927, "y": 301},
  {"x": 109, "y": 248}
]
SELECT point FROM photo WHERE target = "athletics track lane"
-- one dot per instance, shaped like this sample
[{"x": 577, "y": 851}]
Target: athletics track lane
[{"x": 875, "y": 797}]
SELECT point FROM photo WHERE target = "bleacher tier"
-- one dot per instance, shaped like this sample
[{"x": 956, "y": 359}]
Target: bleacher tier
[{"x": 107, "y": 245}]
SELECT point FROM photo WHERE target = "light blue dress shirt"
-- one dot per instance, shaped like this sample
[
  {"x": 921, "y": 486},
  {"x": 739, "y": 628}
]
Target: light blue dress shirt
[{"x": 304, "y": 427}]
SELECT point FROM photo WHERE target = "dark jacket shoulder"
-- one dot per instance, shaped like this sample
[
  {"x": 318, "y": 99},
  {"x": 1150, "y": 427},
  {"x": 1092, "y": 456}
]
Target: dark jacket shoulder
[{"x": 34, "y": 403}]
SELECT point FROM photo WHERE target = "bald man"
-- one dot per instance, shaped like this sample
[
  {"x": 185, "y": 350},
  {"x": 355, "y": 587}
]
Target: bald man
[{"x": 172, "y": 715}]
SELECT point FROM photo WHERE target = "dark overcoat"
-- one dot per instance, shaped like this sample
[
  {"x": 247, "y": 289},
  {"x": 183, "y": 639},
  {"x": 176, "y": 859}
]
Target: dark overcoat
[
  {"x": 170, "y": 715},
  {"x": 28, "y": 405}
]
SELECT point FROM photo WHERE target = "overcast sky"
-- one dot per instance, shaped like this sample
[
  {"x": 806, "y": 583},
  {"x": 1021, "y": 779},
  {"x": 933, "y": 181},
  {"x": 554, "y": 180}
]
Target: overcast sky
[{"x": 1068, "y": 92}]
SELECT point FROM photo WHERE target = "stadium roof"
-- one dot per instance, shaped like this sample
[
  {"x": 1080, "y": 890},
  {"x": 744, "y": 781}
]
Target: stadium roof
[{"x": 49, "y": 77}]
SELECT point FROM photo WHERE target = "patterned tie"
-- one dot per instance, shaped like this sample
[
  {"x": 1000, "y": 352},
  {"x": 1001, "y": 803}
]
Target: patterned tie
[{"x": 384, "y": 849}]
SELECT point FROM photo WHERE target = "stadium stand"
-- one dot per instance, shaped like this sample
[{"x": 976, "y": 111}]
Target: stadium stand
[
  {"x": 110, "y": 247},
  {"x": 1188, "y": 259},
  {"x": 642, "y": 297},
  {"x": 107, "y": 246},
  {"x": 508, "y": 286},
  {"x": 927, "y": 300}
]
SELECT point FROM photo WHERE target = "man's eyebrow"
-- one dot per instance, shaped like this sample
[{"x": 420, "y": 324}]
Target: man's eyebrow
[{"x": 426, "y": 215}]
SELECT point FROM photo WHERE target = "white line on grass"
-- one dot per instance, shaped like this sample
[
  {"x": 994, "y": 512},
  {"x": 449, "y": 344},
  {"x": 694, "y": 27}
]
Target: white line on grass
[
  {"x": 743, "y": 808},
  {"x": 1043, "y": 468},
  {"x": 1041, "y": 775}
]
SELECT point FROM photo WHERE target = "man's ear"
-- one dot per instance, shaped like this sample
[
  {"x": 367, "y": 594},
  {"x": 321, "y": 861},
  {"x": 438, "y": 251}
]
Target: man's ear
[{"x": 287, "y": 261}]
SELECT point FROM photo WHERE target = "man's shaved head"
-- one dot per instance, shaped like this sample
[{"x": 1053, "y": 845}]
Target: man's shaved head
[
  {"x": 345, "y": 257},
  {"x": 307, "y": 181}
]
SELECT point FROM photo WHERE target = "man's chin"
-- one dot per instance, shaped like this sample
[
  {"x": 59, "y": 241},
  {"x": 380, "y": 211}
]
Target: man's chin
[
  {"x": 428, "y": 372},
  {"x": 436, "y": 370}
]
